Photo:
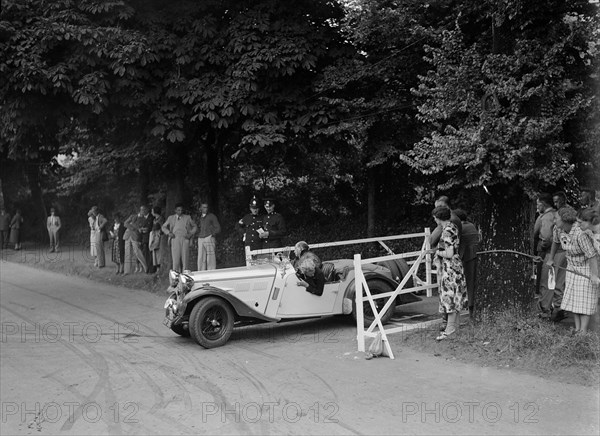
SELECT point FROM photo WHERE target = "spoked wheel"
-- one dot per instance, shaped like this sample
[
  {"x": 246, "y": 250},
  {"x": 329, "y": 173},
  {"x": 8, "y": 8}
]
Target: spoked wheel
[
  {"x": 376, "y": 287},
  {"x": 211, "y": 322}
]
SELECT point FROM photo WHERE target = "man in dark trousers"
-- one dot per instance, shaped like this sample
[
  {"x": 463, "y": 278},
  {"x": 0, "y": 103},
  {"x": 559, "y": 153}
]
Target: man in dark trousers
[
  {"x": 4, "y": 228},
  {"x": 146, "y": 220},
  {"x": 467, "y": 249},
  {"x": 249, "y": 225},
  {"x": 542, "y": 243},
  {"x": 274, "y": 226}
]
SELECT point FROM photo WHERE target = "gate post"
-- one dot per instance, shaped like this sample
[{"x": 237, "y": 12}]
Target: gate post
[
  {"x": 428, "y": 260},
  {"x": 358, "y": 303}
]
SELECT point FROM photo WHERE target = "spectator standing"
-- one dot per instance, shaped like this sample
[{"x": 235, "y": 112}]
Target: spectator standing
[
  {"x": 274, "y": 226},
  {"x": 249, "y": 225},
  {"x": 453, "y": 286},
  {"x": 146, "y": 224},
  {"x": 582, "y": 282},
  {"x": 99, "y": 231},
  {"x": 118, "y": 245},
  {"x": 444, "y": 201},
  {"x": 154, "y": 245},
  {"x": 53, "y": 225},
  {"x": 135, "y": 261},
  {"x": 209, "y": 228},
  {"x": 467, "y": 250},
  {"x": 565, "y": 219},
  {"x": 92, "y": 224},
  {"x": 4, "y": 228},
  {"x": 15, "y": 229},
  {"x": 559, "y": 199},
  {"x": 542, "y": 242},
  {"x": 587, "y": 198},
  {"x": 180, "y": 228},
  {"x": 157, "y": 256}
]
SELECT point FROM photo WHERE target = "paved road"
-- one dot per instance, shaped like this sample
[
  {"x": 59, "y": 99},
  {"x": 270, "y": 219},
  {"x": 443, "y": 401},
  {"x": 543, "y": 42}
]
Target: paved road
[{"x": 78, "y": 357}]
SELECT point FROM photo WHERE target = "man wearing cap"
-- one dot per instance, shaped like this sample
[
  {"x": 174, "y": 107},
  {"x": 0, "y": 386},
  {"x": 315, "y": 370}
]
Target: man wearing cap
[
  {"x": 249, "y": 225},
  {"x": 274, "y": 226},
  {"x": 180, "y": 228}
]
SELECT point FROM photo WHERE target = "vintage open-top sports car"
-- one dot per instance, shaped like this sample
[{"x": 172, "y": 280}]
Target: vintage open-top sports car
[{"x": 208, "y": 304}]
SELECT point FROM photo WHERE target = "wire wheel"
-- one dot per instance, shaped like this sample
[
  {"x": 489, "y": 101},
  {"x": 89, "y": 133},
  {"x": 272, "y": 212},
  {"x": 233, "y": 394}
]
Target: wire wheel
[{"x": 211, "y": 322}]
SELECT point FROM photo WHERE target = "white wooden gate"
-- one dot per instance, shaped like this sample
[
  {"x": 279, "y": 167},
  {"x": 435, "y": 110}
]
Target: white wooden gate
[{"x": 363, "y": 294}]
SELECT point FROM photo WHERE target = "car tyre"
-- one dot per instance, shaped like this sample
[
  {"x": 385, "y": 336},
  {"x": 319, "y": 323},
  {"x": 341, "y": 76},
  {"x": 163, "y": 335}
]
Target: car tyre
[
  {"x": 211, "y": 322},
  {"x": 376, "y": 287}
]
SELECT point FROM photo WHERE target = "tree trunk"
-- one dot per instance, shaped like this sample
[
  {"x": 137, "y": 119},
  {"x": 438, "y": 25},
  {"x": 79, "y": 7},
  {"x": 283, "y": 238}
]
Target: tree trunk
[
  {"x": 505, "y": 278},
  {"x": 212, "y": 173},
  {"x": 371, "y": 188},
  {"x": 144, "y": 181},
  {"x": 32, "y": 170}
]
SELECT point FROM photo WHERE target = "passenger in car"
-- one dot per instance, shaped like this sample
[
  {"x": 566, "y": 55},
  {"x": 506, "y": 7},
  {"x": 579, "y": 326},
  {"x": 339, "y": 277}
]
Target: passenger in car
[
  {"x": 311, "y": 277},
  {"x": 302, "y": 251}
]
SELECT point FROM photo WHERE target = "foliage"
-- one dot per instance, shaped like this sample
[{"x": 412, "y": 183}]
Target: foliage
[{"x": 503, "y": 114}]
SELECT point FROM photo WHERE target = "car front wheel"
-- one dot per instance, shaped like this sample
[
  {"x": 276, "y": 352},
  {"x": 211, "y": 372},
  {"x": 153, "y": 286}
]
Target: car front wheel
[{"x": 211, "y": 322}]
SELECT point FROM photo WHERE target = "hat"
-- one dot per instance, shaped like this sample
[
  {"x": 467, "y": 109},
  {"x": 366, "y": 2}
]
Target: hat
[
  {"x": 254, "y": 202},
  {"x": 269, "y": 202}
]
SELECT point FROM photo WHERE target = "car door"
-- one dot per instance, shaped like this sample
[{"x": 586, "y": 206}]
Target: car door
[{"x": 296, "y": 302}]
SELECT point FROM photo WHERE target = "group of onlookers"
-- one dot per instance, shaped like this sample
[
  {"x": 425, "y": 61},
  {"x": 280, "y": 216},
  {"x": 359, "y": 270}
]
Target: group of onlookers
[
  {"x": 135, "y": 243},
  {"x": 10, "y": 229},
  {"x": 136, "y": 240},
  {"x": 568, "y": 242}
]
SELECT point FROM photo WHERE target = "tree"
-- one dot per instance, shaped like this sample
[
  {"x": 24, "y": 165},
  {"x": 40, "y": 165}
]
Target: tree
[{"x": 509, "y": 83}]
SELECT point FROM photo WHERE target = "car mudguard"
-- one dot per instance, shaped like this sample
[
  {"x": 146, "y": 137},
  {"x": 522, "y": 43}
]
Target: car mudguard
[{"x": 241, "y": 308}]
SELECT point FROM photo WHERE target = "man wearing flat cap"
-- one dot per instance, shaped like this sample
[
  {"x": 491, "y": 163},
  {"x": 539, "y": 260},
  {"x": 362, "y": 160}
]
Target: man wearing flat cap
[
  {"x": 274, "y": 226},
  {"x": 249, "y": 226}
]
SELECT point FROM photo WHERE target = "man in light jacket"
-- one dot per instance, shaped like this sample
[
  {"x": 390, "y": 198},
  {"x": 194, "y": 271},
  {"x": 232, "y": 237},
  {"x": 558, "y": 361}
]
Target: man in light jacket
[
  {"x": 53, "y": 225},
  {"x": 180, "y": 228}
]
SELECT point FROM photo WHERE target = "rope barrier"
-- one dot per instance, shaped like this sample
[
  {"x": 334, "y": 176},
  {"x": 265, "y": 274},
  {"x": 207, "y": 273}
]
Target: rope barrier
[{"x": 535, "y": 259}]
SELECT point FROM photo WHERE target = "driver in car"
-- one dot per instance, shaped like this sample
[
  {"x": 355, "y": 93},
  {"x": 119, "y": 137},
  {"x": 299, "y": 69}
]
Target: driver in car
[
  {"x": 302, "y": 251},
  {"x": 311, "y": 277}
]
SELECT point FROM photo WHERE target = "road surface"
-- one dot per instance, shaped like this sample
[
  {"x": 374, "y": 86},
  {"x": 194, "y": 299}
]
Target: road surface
[{"x": 79, "y": 357}]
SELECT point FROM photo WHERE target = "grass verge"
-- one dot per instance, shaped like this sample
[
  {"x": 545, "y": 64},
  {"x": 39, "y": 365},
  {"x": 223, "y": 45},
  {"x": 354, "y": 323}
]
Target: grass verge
[{"x": 518, "y": 340}]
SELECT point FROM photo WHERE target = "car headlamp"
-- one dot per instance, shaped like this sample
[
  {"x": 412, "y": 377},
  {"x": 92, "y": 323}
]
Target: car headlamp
[
  {"x": 186, "y": 282},
  {"x": 173, "y": 278}
]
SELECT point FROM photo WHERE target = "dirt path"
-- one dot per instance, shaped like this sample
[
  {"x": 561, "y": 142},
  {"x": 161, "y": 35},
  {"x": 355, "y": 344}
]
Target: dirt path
[{"x": 79, "y": 357}]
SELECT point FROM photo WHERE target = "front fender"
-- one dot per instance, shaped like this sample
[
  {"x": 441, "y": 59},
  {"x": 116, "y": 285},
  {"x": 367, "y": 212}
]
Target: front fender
[{"x": 241, "y": 308}]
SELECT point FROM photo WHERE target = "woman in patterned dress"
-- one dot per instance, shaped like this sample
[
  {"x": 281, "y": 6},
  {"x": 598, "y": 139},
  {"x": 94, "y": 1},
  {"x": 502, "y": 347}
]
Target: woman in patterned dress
[
  {"x": 92, "y": 223},
  {"x": 453, "y": 286},
  {"x": 582, "y": 282}
]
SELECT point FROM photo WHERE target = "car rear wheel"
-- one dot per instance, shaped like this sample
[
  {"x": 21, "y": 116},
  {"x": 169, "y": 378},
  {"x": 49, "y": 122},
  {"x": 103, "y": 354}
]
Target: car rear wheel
[
  {"x": 211, "y": 322},
  {"x": 376, "y": 287}
]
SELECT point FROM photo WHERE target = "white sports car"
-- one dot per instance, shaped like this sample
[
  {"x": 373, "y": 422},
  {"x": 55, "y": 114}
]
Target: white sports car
[{"x": 208, "y": 304}]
